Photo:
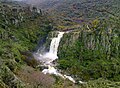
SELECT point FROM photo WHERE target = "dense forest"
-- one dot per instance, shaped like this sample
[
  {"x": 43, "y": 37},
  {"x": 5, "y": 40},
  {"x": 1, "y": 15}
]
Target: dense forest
[{"x": 89, "y": 50}]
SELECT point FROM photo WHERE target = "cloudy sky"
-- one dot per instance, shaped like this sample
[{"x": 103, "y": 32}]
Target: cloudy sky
[{"x": 18, "y": 0}]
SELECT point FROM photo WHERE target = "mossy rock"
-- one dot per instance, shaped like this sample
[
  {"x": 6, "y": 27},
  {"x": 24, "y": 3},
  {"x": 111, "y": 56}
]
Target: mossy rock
[{"x": 29, "y": 59}]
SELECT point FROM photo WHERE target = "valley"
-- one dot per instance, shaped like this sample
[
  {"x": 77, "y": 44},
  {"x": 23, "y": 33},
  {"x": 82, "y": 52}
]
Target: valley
[{"x": 60, "y": 44}]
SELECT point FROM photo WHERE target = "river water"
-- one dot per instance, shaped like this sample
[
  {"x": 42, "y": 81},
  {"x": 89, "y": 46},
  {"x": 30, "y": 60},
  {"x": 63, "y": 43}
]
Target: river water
[{"x": 48, "y": 58}]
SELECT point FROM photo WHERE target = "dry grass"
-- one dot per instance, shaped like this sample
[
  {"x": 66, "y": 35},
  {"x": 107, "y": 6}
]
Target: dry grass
[{"x": 34, "y": 78}]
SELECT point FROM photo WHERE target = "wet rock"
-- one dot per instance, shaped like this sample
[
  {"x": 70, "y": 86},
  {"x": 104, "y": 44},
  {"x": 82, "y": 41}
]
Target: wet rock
[{"x": 29, "y": 59}]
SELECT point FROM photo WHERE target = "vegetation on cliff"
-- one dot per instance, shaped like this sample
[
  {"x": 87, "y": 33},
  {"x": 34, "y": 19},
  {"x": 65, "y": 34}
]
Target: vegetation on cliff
[{"x": 92, "y": 52}]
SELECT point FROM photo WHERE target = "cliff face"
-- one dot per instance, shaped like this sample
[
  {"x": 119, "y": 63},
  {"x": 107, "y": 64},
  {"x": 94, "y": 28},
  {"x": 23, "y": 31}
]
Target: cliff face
[{"x": 92, "y": 51}]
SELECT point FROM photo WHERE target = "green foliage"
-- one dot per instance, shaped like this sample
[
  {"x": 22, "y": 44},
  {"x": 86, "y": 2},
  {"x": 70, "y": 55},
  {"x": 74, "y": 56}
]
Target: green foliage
[
  {"x": 102, "y": 83},
  {"x": 94, "y": 54},
  {"x": 90, "y": 53},
  {"x": 16, "y": 37}
]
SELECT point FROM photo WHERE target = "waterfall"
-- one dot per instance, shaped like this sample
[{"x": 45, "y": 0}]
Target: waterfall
[
  {"x": 50, "y": 56},
  {"x": 55, "y": 43}
]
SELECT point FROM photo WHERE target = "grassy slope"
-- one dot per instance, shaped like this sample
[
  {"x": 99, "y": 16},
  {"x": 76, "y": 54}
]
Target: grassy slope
[{"x": 16, "y": 38}]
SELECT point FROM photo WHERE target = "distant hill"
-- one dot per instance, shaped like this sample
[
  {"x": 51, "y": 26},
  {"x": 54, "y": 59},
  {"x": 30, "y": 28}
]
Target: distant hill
[{"x": 74, "y": 12}]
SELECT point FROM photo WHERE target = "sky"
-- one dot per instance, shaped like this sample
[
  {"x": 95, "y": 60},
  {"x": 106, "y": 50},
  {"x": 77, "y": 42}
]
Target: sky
[{"x": 18, "y": 0}]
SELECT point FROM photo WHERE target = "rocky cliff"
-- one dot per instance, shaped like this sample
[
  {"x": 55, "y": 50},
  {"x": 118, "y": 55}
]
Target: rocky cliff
[{"x": 92, "y": 51}]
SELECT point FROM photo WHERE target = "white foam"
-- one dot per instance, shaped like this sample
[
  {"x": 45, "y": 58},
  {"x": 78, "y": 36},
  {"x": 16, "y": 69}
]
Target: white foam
[
  {"x": 70, "y": 78},
  {"x": 50, "y": 56}
]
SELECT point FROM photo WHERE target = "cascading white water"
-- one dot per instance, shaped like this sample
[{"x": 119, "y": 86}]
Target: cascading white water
[
  {"x": 50, "y": 56},
  {"x": 55, "y": 43}
]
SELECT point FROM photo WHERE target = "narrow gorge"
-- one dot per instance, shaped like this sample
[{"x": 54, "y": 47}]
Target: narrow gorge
[
  {"x": 59, "y": 43},
  {"x": 47, "y": 58}
]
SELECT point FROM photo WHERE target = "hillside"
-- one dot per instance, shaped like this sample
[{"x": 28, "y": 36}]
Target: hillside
[
  {"x": 22, "y": 27},
  {"x": 77, "y": 12},
  {"x": 20, "y": 31}
]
